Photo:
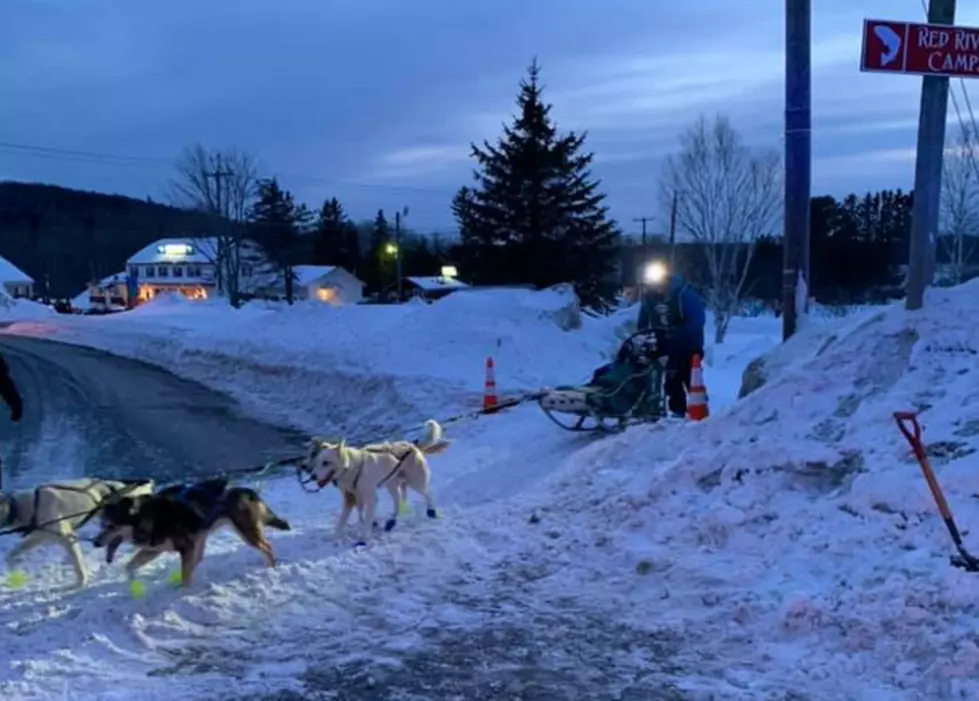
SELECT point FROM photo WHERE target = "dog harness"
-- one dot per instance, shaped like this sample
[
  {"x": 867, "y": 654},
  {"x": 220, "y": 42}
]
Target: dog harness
[
  {"x": 396, "y": 469},
  {"x": 213, "y": 500}
]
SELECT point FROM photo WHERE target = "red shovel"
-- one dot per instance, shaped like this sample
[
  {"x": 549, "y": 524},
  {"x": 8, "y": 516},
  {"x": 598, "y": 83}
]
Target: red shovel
[{"x": 907, "y": 421}]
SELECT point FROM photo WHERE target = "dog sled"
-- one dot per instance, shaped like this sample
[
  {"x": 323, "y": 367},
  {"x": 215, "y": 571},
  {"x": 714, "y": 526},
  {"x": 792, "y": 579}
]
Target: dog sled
[{"x": 625, "y": 392}]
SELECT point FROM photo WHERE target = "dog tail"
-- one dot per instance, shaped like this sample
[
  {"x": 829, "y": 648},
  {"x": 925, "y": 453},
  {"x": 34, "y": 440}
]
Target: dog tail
[{"x": 433, "y": 443}]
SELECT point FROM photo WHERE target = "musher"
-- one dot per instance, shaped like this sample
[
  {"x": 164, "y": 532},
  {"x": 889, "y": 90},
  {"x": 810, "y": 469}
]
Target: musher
[{"x": 675, "y": 312}]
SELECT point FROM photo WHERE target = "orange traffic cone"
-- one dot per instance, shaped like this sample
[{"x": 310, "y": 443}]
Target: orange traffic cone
[
  {"x": 489, "y": 392},
  {"x": 697, "y": 409}
]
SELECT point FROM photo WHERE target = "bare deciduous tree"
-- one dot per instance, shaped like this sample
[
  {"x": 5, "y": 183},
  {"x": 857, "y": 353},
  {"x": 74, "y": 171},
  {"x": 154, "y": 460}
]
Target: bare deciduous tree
[
  {"x": 222, "y": 184},
  {"x": 960, "y": 201},
  {"x": 727, "y": 197}
]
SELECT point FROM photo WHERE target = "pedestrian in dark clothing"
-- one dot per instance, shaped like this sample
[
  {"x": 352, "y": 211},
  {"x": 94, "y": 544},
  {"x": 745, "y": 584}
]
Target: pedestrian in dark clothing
[
  {"x": 673, "y": 308},
  {"x": 9, "y": 392}
]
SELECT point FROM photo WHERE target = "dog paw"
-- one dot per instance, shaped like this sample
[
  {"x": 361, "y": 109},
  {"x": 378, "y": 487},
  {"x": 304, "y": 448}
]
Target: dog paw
[
  {"x": 431, "y": 513},
  {"x": 390, "y": 524}
]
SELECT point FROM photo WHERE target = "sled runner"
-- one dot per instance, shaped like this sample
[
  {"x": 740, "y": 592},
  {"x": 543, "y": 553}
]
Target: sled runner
[{"x": 627, "y": 391}]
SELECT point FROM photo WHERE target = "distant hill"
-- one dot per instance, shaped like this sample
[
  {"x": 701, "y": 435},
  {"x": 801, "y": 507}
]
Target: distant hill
[{"x": 69, "y": 237}]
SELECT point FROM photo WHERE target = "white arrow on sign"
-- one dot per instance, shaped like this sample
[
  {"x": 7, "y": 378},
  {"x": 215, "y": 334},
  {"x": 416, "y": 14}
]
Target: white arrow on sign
[{"x": 891, "y": 40}]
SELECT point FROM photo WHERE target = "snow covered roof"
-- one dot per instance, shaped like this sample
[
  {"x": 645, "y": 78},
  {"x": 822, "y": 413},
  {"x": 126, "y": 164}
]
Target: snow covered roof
[
  {"x": 112, "y": 279},
  {"x": 305, "y": 274},
  {"x": 433, "y": 284},
  {"x": 11, "y": 273},
  {"x": 184, "y": 250}
]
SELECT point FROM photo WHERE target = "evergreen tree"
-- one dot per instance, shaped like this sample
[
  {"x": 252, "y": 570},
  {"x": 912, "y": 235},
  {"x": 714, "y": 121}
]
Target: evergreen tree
[
  {"x": 277, "y": 223},
  {"x": 335, "y": 238},
  {"x": 380, "y": 257},
  {"x": 535, "y": 214},
  {"x": 420, "y": 256}
]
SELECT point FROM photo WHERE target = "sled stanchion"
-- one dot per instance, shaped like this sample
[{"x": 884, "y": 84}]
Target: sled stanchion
[{"x": 907, "y": 423}]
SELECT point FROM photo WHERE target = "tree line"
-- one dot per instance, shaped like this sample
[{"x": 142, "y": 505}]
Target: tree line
[{"x": 533, "y": 213}]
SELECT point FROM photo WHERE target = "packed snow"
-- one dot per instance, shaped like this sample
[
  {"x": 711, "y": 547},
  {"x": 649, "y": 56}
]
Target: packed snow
[
  {"x": 12, "y": 309},
  {"x": 786, "y": 548}
]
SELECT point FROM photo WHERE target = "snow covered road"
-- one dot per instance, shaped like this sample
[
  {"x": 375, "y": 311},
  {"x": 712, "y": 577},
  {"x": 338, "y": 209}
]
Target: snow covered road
[{"x": 91, "y": 413}]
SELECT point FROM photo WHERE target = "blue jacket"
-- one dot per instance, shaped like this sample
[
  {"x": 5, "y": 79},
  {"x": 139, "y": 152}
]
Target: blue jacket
[{"x": 686, "y": 315}]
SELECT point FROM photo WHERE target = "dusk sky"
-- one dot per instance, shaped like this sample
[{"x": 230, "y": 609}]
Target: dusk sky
[{"x": 375, "y": 101}]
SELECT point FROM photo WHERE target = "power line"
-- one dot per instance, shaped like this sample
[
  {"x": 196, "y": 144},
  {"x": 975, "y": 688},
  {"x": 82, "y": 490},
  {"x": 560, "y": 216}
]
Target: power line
[{"x": 111, "y": 159}]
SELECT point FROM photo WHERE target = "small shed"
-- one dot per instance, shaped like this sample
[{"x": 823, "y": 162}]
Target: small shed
[{"x": 431, "y": 288}]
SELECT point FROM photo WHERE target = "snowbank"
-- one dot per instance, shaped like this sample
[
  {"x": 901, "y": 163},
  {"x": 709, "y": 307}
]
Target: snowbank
[
  {"x": 373, "y": 367},
  {"x": 19, "y": 309},
  {"x": 792, "y": 538}
]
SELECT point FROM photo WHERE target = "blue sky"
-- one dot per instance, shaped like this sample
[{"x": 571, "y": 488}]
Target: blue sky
[{"x": 375, "y": 101}]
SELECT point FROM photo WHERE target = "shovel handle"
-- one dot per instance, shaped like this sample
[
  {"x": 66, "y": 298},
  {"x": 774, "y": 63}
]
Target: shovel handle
[{"x": 907, "y": 423}]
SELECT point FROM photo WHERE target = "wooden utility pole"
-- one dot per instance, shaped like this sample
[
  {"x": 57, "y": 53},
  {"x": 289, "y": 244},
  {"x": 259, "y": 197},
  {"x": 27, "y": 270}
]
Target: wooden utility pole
[
  {"x": 928, "y": 171},
  {"x": 676, "y": 199},
  {"x": 218, "y": 174},
  {"x": 643, "y": 220},
  {"x": 798, "y": 166},
  {"x": 397, "y": 251}
]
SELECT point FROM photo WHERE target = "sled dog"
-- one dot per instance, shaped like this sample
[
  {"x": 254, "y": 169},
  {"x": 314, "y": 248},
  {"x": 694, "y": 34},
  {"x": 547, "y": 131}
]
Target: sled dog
[
  {"x": 180, "y": 519},
  {"x": 52, "y": 513},
  {"x": 359, "y": 472}
]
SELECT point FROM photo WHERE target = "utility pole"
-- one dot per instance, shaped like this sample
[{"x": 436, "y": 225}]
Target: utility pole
[
  {"x": 397, "y": 249},
  {"x": 798, "y": 166},
  {"x": 218, "y": 174},
  {"x": 928, "y": 171},
  {"x": 643, "y": 253},
  {"x": 226, "y": 261},
  {"x": 676, "y": 198},
  {"x": 643, "y": 220}
]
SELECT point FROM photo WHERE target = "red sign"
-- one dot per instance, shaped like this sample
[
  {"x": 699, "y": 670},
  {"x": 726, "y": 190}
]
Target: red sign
[{"x": 920, "y": 49}]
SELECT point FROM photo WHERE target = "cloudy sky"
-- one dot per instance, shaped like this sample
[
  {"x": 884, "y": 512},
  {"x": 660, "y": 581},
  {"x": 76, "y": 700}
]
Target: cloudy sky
[{"x": 376, "y": 101}]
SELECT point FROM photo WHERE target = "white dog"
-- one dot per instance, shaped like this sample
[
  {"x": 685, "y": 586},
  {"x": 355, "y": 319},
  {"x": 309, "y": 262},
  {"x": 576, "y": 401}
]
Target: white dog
[
  {"x": 359, "y": 472},
  {"x": 52, "y": 513}
]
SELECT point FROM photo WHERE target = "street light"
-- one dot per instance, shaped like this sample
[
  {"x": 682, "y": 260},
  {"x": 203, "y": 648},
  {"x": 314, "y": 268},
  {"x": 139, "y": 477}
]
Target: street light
[
  {"x": 450, "y": 271},
  {"x": 391, "y": 249}
]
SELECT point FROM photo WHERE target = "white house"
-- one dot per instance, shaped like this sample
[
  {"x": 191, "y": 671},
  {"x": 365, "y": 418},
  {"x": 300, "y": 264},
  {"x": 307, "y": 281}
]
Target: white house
[
  {"x": 110, "y": 293},
  {"x": 327, "y": 283},
  {"x": 15, "y": 281},
  {"x": 190, "y": 266}
]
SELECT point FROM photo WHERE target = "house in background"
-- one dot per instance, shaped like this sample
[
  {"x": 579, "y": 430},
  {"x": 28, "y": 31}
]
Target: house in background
[
  {"x": 432, "y": 288},
  {"x": 108, "y": 294},
  {"x": 15, "y": 281},
  {"x": 192, "y": 267},
  {"x": 327, "y": 283}
]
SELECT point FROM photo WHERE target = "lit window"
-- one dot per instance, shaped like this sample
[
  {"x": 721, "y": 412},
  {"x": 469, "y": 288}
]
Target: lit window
[{"x": 326, "y": 294}]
